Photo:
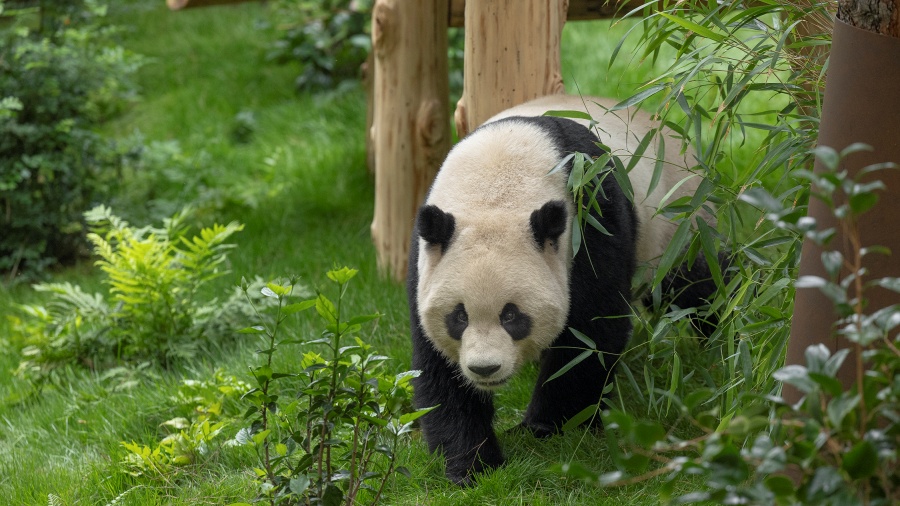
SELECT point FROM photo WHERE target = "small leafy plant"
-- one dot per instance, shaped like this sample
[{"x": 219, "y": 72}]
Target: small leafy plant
[
  {"x": 212, "y": 407},
  {"x": 336, "y": 442},
  {"x": 153, "y": 310}
]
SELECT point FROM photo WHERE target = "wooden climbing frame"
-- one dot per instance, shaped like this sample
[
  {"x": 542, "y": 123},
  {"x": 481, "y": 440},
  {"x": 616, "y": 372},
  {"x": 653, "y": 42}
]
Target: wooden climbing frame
[{"x": 512, "y": 55}]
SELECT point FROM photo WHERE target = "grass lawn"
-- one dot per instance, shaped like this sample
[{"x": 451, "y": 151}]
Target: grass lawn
[{"x": 311, "y": 211}]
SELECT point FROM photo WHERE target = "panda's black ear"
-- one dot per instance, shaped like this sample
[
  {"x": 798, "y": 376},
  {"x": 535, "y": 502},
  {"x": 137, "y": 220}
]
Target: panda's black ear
[
  {"x": 548, "y": 223},
  {"x": 435, "y": 226}
]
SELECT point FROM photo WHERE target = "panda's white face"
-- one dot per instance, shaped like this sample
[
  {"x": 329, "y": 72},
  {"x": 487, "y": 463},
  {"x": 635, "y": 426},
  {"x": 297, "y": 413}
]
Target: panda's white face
[
  {"x": 491, "y": 295},
  {"x": 494, "y": 299}
]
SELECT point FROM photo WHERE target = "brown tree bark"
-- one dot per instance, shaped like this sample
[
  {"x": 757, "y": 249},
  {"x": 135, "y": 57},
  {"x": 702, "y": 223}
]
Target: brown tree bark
[
  {"x": 861, "y": 104},
  {"x": 411, "y": 124},
  {"x": 512, "y": 55},
  {"x": 878, "y": 16}
]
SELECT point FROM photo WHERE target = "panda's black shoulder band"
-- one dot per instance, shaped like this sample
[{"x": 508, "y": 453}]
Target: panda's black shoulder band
[{"x": 435, "y": 226}]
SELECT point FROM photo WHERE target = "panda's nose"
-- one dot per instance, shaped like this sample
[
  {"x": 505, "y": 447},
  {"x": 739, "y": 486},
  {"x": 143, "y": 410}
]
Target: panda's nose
[{"x": 484, "y": 370}]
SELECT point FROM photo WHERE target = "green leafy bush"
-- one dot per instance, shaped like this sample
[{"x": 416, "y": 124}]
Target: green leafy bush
[
  {"x": 153, "y": 309},
  {"x": 56, "y": 86},
  {"x": 336, "y": 442},
  {"x": 329, "y": 38},
  {"x": 743, "y": 90},
  {"x": 839, "y": 444}
]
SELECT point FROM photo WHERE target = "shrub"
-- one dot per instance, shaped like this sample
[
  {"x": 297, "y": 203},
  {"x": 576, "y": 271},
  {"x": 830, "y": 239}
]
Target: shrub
[
  {"x": 330, "y": 39},
  {"x": 56, "y": 86},
  {"x": 740, "y": 87},
  {"x": 336, "y": 442},
  {"x": 153, "y": 310},
  {"x": 838, "y": 445}
]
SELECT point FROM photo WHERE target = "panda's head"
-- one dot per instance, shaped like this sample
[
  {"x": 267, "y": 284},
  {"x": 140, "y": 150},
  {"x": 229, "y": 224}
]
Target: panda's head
[
  {"x": 494, "y": 252},
  {"x": 493, "y": 291}
]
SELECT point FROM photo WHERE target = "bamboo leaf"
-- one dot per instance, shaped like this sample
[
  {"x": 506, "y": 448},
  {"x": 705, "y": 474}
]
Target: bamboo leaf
[
  {"x": 572, "y": 363},
  {"x": 694, "y": 27},
  {"x": 570, "y": 114},
  {"x": 673, "y": 251},
  {"x": 638, "y": 98},
  {"x": 580, "y": 417},
  {"x": 583, "y": 338}
]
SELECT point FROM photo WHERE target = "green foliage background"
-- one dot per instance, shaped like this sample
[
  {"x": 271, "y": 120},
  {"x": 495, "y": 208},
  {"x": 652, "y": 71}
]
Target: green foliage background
[
  {"x": 60, "y": 77},
  {"x": 220, "y": 126}
]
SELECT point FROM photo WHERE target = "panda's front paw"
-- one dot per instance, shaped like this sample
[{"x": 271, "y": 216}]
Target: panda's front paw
[
  {"x": 462, "y": 478},
  {"x": 539, "y": 430},
  {"x": 463, "y": 472}
]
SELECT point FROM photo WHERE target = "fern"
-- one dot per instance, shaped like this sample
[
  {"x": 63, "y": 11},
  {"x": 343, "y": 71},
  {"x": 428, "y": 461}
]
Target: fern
[
  {"x": 118, "y": 498},
  {"x": 151, "y": 310}
]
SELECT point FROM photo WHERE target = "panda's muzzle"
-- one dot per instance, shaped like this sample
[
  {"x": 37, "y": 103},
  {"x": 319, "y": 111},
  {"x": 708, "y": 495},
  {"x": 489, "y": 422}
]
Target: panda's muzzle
[{"x": 482, "y": 373}]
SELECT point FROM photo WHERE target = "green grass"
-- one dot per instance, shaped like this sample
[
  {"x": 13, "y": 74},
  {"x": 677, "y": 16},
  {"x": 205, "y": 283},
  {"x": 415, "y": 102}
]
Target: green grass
[{"x": 205, "y": 66}]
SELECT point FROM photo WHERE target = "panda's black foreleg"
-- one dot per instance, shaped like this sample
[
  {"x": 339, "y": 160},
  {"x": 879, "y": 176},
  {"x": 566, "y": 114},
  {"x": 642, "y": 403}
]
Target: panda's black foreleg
[
  {"x": 556, "y": 401},
  {"x": 462, "y": 424},
  {"x": 599, "y": 308},
  {"x": 694, "y": 287}
]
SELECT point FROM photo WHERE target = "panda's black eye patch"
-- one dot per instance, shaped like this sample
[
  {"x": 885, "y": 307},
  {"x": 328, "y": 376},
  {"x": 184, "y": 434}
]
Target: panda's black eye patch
[
  {"x": 457, "y": 321},
  {"x": 516, "y": 323}
]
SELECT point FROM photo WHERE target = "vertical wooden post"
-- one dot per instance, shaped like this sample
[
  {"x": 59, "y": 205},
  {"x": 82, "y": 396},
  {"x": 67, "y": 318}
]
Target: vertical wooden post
[
  {"x": 411, "y": 125},
  {"x": 512, "y": 55}
]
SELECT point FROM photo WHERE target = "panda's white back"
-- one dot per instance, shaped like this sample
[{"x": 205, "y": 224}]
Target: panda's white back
[{"x": 622, "y": 131}]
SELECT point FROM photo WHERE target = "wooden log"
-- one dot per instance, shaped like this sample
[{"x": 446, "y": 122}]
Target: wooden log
[
  {"x": 512, "y": 55},
  {"x": 577, "y": 10},
  {"x": 411, "y": 119},
  {"x": 177, "y": 5}
]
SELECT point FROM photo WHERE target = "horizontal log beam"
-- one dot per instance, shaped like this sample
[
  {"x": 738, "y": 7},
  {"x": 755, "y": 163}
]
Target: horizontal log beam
[
  {"x": 578, "y": 9},
  {"x": 177, "y": 5}
]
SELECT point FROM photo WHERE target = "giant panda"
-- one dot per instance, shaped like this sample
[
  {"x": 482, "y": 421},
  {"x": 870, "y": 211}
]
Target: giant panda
[{"x": 492, "y": 282}]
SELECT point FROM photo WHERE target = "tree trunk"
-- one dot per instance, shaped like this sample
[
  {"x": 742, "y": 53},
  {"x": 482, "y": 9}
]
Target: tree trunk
[
  {"x": 512, "y": 55},
  {"x": 411, "y": 125},
  {"x": 861, "y": 104},
  {"x": 878, "y": 16}
]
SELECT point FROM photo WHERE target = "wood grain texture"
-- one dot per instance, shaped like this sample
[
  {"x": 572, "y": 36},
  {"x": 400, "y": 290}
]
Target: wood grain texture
[
  {"x": 512, "y": 55},
  {"x": 577, "y": 10},
  {"x": 411, "y": 124}
]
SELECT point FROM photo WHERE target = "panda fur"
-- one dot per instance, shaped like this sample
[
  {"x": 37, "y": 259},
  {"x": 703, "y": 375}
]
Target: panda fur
[{"x": 492, "y": 282}]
